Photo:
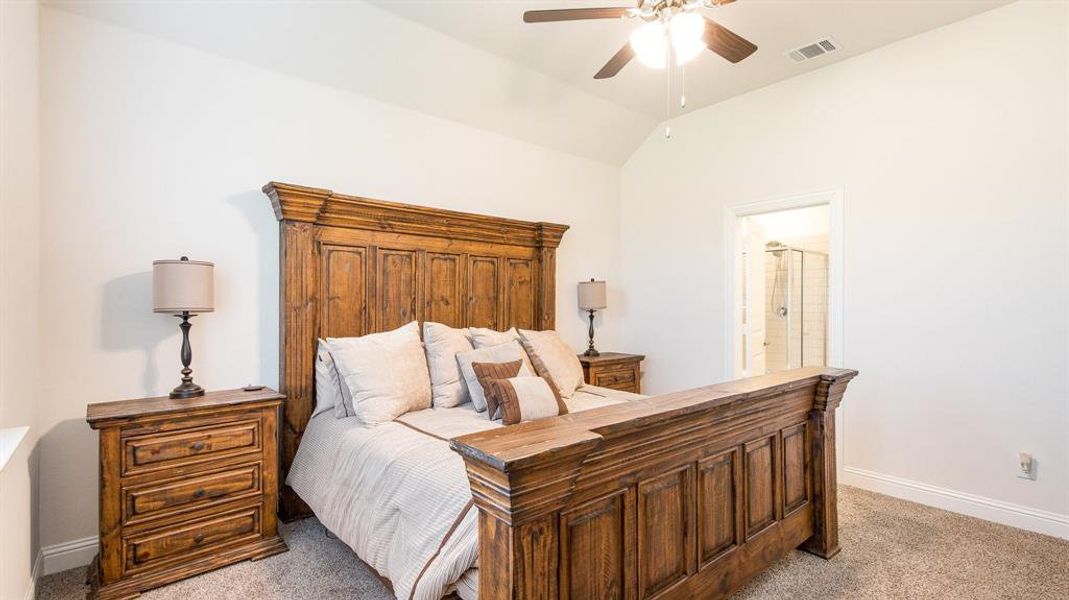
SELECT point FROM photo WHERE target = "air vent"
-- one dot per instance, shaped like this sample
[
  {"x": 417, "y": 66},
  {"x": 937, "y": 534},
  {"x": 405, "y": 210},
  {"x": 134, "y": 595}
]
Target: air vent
[{"x": 811, "y": 51}]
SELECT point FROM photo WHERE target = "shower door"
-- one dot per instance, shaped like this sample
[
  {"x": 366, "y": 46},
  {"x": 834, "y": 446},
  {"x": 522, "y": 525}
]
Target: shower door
[{"x": 796, "y": 308}]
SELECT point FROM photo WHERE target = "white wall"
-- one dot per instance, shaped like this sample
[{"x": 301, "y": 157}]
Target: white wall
[
  {"x": 152, "y": 149},
  {"x": 952, "y": 150},
  {"x": 19, "y": 218}
]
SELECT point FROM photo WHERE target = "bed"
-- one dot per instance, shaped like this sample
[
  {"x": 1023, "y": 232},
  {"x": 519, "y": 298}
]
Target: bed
[{"x": 677, "y": 496}]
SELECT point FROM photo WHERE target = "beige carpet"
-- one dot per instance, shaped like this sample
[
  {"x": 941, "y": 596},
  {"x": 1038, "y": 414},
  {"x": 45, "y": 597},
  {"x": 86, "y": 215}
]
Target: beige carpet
[{"x": 890, "y": 549}]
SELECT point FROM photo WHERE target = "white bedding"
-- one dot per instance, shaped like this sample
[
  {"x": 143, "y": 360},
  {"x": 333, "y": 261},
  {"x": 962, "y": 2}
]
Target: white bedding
[{"x": 398, "y": 496}]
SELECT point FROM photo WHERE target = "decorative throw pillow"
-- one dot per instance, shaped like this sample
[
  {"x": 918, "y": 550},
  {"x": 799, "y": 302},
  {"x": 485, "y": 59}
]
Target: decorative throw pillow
[
  {"x": 386, "y": 373},
  {"x": 481, "y": 337},
  {"x": 484, "y": 372},
  {"x": 526, "y": 399},
  {"x": 442, "y": 344},
  {"x": 553, "y": 359},
  {"x": 328, "y": 382},
  {"x": 494, "y": 354}
]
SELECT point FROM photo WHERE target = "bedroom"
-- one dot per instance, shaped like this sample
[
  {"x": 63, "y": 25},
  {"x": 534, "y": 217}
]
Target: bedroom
[{"x": 134, "y": 132}]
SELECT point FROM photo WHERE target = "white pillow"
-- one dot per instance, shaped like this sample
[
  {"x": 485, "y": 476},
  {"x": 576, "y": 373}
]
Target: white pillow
[
  {"x": 507, "y": 352},
  {"x": 328, "y": 382},
  {"x": 386, "y": 373},
  {"x": 553, "y": 359},
  {"x": 482, "y": 337},
  {"x": 442, "y": 343}
]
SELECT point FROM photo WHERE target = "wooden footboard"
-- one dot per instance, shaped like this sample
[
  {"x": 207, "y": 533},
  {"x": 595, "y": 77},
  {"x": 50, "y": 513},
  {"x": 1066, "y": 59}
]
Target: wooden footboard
[{"x": 686, "y": 495}]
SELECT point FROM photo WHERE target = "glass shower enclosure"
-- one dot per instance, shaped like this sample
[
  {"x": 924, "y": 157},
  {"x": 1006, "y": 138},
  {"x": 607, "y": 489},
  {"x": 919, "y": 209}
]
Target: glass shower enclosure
[{"x": 796, "y": 308}]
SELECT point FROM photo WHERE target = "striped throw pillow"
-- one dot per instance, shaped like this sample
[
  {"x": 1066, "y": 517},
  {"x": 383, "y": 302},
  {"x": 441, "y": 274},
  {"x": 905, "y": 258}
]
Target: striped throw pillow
[
  {"x": 485, "y": 372},
  {"x": 526, "y": 399}
]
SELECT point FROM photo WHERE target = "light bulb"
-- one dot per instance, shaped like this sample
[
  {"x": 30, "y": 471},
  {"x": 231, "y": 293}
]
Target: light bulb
[
  {"x": 686, "y": 31},
  {"x": 650, "y": 43}
]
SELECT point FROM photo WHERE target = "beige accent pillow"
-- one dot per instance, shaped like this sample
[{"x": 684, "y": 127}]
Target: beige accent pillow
[
  {"x": 554, "y": 360},
  {"x": 526, "y": 399},
  {"x": 494, "y": 354},
  {"x": 442, "y": 343},
  {"x": 482, "y": 337},
  {"x": 386, "y": 373}
]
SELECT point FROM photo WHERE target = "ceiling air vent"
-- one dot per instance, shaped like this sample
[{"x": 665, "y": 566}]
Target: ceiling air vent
[{"x": 811, "y": 51}]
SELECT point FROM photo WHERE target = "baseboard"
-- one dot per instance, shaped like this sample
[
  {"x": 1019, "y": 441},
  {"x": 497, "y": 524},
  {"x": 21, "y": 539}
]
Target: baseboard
[
  {"x": 35, "y": 574},
  {"x": 68, "y": 555},
  {"x": 989, "y": 509}
]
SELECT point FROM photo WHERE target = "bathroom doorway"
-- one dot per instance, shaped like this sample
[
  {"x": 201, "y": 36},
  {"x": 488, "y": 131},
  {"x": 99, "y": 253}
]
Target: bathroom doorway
[{"x": 785, "y": 281}]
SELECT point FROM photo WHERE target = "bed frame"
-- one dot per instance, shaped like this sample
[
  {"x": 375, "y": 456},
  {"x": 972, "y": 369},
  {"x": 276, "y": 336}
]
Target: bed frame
[{"x": 678, "y": 496}]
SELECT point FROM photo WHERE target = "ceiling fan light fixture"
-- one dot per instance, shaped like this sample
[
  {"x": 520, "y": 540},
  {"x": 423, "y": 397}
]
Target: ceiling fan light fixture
[
  {"x": 683, "y": 30},
  {"x": 650, "y": 43}
]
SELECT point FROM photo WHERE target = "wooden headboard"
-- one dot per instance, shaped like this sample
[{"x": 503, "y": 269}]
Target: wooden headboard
[{"x": 351, "y": 266}]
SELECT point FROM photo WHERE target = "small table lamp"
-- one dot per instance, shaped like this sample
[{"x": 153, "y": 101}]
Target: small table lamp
[
  {"x": 591, "y": 298},
  {"x": 184, "y": 288}
]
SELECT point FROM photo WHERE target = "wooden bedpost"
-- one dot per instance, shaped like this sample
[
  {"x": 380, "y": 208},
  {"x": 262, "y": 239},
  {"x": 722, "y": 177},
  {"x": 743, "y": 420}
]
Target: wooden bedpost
[
  {"x": 549, "y": 237},
  {"x": 296, "y": 211},
  {"x": 825, "y": 540},
  {"x": 686, "y": 495},
  {"x": 519, "y": 509}
]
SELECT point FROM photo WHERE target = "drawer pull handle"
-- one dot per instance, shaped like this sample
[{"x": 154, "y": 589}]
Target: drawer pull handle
[
  {"x": 197, "y": 447},
  {"x": 198, "y": 494},
  {"x": 198, "y": 539}
]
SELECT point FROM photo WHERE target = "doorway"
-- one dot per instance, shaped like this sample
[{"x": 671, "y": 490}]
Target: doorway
[{"x": 784, "y": 282}]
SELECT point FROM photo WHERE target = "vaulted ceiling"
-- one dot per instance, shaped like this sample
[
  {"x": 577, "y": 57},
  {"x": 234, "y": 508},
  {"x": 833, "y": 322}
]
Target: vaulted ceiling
[
  {"x": 573, "y": 51},
  {"x": 476, "y": 62}
]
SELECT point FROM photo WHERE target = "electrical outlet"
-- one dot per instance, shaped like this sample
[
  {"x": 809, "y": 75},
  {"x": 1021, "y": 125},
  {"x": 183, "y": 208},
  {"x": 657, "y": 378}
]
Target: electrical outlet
[{"x": 1028, "y": 466}]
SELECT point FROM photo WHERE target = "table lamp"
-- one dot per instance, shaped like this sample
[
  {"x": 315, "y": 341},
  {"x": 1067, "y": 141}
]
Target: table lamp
[
  {"x": 184, "y": 288},
  {"x": 591, "y": 298}
]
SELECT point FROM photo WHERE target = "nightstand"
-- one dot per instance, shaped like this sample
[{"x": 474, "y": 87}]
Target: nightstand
[
  {"x": 186, "y": 486},
  {"x": 613, "y": 370}
]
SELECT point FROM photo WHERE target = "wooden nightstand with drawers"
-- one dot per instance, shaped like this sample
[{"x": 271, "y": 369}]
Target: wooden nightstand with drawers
[
  {"x": 186, "y": 486},
  {"x": 614, "y": 370}
]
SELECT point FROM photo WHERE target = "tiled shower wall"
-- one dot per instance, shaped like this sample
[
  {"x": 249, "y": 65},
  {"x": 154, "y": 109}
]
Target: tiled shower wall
[{"x": 796, "y": 282}]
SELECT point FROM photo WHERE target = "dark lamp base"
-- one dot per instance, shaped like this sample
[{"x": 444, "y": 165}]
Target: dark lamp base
[
  {"x": 590, "y": 351},
  {"x": 187, "y": 390}
]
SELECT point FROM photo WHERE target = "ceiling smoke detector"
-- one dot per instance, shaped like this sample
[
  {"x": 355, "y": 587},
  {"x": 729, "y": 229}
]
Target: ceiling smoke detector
[{"x": 811, "y": 51}]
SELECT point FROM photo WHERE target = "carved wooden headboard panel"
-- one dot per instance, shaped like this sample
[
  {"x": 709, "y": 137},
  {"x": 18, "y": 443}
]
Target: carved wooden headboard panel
[{"x": 351, "y": 266}]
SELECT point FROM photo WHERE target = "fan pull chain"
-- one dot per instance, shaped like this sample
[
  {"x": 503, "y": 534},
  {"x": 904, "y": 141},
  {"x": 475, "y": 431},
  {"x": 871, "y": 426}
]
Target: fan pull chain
[
  {"x": 682, "y": 86},
  {"x": 668, "y": 90}
]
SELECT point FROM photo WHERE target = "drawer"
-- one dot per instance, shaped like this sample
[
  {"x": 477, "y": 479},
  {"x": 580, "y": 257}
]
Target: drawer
[
  {"x": 149, "y": 501},
  {"x": 615, "y": 379},
  {"x": 188, "y": 541},
  {"x": 156, "y": 451}
]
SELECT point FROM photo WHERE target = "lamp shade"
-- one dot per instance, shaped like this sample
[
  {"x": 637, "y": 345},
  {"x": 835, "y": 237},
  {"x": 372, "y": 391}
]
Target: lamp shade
[
  {"x": 183, "y": 286},
  {"x": 592, "y": 295}
]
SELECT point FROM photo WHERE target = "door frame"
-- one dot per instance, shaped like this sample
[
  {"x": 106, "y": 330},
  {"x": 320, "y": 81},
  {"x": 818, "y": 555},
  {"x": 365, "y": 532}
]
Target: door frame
[{"x": 834, "y": 199}]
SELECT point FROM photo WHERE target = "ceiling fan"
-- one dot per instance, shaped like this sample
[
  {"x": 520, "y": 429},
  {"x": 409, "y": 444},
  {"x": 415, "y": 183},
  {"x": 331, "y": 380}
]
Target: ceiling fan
[{"x": 674, "y": 28}]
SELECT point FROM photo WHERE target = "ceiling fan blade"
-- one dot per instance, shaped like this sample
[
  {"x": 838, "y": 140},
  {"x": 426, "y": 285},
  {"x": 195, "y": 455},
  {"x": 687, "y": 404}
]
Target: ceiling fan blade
[
  {"x": 726, "y": 43},
  {"x": 617, "y": 62},
  {"x": 574, "y": 14}
]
